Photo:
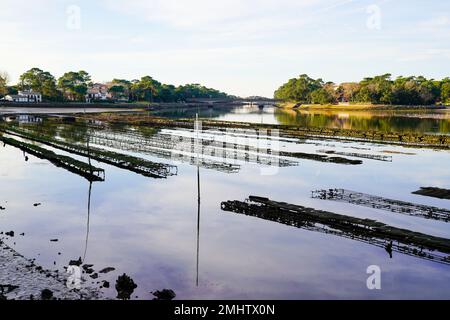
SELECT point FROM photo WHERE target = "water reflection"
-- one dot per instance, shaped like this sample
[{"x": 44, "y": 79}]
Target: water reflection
[
  {"x": 419, "y": 121},
  {"x": 386, "y": 121},
  {"x": 154, "y": 230}
]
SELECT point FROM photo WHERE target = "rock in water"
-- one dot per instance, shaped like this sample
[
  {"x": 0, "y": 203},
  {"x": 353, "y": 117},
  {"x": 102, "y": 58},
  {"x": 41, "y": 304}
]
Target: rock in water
[
  {"x": 107, "y": 270},
  {"x": 46, "y": 294},
  {"x": 76, "y": 262},
  {"x": 125, "y": 287},
  {"x": 165, "y": 294}
]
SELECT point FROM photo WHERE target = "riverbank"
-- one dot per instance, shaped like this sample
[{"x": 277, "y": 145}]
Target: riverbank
[
  {"x": 355, "y": 107},
  {"x": 22, "y": 279}
]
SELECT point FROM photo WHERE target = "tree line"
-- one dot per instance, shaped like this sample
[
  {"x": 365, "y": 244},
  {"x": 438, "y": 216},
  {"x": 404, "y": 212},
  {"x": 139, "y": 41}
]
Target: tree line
[
  {"x": 377, "y": 90},
  {"x": 74, "y": 85}
]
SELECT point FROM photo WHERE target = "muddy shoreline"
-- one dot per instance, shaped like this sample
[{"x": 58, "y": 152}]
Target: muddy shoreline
[{"x": 22, "y": 279}]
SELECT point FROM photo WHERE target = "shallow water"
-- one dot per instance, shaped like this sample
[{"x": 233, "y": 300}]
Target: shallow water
[
  {"x": 420, "y": 121},
  {"x": 148, "y": 228}
]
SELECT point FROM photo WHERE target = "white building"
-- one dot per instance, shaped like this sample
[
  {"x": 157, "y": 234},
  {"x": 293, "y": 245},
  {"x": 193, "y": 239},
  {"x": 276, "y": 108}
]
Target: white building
[
  {"x": 98, "y": 91},
  {"x": 24, "y": 96},
  {"x": 15, "y": 98}
]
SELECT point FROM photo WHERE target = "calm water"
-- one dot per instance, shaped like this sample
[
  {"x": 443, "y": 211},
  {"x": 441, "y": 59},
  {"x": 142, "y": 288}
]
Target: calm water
[
  {"x": 148, "y": 228},
  {"x": 421, "y": 121}
]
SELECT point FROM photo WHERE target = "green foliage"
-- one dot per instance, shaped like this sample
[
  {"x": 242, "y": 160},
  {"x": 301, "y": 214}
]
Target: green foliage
[
  {"x": 148, "y": 89},
  {"x": 12, "y": 90},
  {"x": 445, "y": 90},
  {"x": 299, "y": 89},
  {"x": 39, "y": 81},
  {"x": 3, "y": 85},
  {"x": 74, "y": 84},
  {"x": 120, "y": 89},
  {"x": 322, "y": 96},
  {"x": 145, "y": 89},
  {"x": 377, "y": 90}
]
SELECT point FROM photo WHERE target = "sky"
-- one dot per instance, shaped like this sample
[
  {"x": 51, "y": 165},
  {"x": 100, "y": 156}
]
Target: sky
[{"x": 242, "y": 47}]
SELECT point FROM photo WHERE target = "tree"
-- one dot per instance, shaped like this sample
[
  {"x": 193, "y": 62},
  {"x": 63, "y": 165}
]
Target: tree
[
  {"x": 39, "y": 81},
  {"x": 74, "y": 84},
  {"x": 323, "y": 95},
  {"x": 429, "y": 90},
  {"x": 149, "y": 89},
  {"x": 145, "y": 89},
  {"x": 120, "y": 88},
  {"x": 117, "y": 91},
  {"x": 167, "y": 93},
  {"x": 347, "y": 91},
  {"x": 12, "y": 90},
  {"x": 377, "y": 90},
  {"x": 196, "y": 90},
  {"x": 298, "y": 89},
  {"x": 4, "y": 79},
  {"x": 445, "y": 90}
]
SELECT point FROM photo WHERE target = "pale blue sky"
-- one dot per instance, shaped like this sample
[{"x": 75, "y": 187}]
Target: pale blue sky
[{"x": 243, "y": 47}]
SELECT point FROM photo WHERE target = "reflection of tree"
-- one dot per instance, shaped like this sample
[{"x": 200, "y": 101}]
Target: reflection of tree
[
  {"x": 73, "y": 133},
  {"x": 147, "y": 132},
  {"x": 44, "y": 128},
  {"x": 386, "y": 122},
  {"x": 189, "y": 112}
]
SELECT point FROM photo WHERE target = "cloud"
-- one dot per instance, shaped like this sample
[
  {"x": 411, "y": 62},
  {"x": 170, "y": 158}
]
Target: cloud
[
  {"x": 242, "y": 47},
  {"x": 428, "y": 54},
  {"x": 200, "y": 13},
  {"x": 441, "y": 21}
]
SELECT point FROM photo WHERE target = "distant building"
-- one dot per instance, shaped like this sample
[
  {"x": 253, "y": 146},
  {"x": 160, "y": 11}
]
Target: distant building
[
  {"x": 98, "y": 91},
  {"x": 24, "y": 96},
  {"x": 15, "y": 98}
]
